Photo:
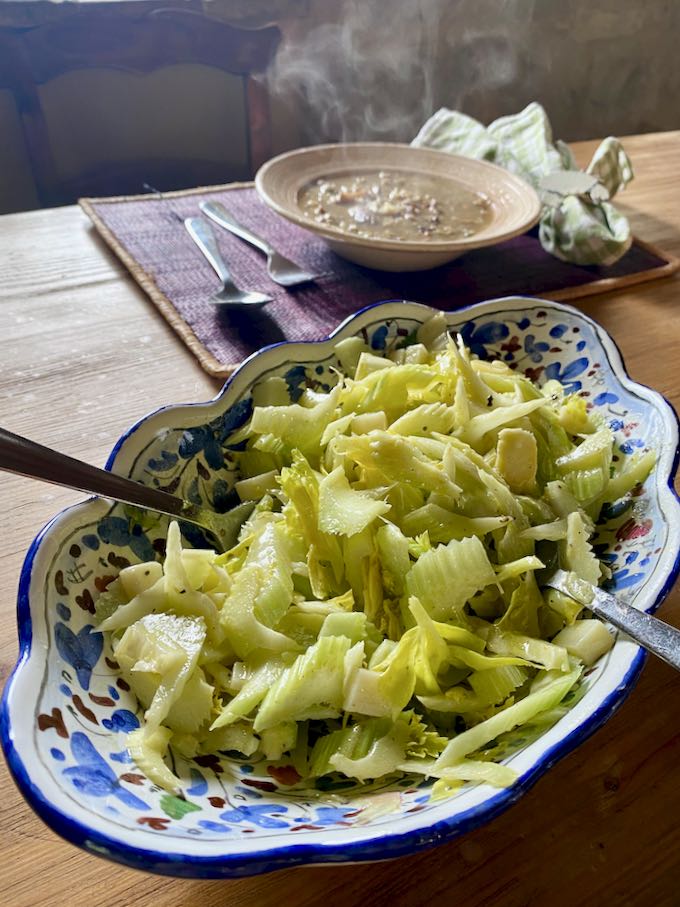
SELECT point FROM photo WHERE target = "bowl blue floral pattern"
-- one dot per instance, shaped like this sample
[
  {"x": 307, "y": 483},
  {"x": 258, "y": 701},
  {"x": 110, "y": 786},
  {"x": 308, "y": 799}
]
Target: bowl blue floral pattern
[{"x": 66, "y": 709}]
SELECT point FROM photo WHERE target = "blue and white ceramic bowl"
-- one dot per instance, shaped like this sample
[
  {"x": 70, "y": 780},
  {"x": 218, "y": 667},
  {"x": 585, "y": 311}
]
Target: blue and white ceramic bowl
[{"x": 66, "y": 710}]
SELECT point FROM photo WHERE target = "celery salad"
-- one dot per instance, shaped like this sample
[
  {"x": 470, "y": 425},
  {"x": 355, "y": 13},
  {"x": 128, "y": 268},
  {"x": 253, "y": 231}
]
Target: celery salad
[{"x": 380, "y": 611}]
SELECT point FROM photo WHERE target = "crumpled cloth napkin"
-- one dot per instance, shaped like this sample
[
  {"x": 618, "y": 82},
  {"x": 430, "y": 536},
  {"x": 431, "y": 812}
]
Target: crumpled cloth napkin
[{"x": 577, "y": 223}]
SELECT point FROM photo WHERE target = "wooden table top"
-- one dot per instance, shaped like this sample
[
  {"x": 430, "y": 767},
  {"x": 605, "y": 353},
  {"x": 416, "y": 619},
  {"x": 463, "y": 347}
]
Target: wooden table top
[{"x": 84, "y": 355}]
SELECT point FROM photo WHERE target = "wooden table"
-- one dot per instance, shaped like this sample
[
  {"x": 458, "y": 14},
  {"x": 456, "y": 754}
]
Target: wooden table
[{"x": 84, "y": 355}]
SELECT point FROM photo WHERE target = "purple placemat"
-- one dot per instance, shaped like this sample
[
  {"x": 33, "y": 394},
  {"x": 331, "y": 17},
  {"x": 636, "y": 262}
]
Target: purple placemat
[{"x": 148, "y": 233}]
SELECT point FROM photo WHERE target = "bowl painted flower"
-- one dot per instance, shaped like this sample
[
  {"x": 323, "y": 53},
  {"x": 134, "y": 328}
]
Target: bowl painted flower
[{"x": 66, "y": 710}]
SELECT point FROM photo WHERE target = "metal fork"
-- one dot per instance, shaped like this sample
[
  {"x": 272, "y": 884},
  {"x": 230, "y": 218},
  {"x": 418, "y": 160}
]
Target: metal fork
[
  {"x": 281, "y": 270},
  {"x": 230, "y": 296}
]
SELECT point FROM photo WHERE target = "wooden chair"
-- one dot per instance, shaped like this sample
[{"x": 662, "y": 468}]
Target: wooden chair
[{"x": 141, "y": 38}]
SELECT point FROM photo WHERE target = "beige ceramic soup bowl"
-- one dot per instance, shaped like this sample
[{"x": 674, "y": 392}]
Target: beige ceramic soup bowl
[{"x": 515, "y": 207}]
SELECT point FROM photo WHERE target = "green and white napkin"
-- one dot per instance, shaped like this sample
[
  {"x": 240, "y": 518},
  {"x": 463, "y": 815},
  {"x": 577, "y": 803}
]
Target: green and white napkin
[{"x": 578, "y": 223}]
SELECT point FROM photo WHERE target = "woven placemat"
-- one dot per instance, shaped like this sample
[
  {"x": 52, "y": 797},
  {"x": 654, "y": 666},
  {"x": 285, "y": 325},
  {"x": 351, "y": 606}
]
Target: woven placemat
[{"x": 148, "y": 235}]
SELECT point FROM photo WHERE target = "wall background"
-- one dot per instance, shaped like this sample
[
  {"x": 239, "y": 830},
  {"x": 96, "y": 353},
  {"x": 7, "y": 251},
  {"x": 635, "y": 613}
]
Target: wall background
[{"x": 372, "y": 69}]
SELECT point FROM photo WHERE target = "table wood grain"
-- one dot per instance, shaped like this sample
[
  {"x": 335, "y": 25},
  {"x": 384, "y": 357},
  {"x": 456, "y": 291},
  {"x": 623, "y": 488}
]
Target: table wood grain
[{"x": 84, "y": 354}]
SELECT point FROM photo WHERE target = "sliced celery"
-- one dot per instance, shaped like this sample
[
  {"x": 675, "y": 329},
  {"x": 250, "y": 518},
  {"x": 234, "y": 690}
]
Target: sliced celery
[
  {"x": 310, "y": 688},
  {"x": 496, "y": 685},
  {"x": 388, "y": 565},
  {"x": 342, "y": 510},
  {"x": 447, "y": 577},
  {"x": 476, "y": 737}
]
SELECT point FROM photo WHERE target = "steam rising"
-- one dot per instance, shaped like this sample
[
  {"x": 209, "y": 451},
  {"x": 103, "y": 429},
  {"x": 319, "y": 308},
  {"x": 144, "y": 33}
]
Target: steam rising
[
  {"x": 385, "y": 66},
  {"x": 369, "y": 77}
]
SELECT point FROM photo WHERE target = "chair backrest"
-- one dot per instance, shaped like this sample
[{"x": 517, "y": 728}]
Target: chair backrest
[{"x": 141, "y": 39}]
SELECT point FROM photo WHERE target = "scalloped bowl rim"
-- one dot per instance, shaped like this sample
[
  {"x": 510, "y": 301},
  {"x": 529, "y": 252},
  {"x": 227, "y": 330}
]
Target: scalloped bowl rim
[{"x": 369, "y": 846}]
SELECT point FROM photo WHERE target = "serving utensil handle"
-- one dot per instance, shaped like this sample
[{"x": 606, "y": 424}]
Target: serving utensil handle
[
  {"x": 27, "y": 458},
  {"x": 653, "y": 634}
]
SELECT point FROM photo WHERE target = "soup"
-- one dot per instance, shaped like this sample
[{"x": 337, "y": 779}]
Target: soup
[{"x": 396, "y": 205}]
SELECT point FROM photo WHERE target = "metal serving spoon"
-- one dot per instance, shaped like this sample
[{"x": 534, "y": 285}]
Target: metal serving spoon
[
  {"x": 651, "y": 633},
  {"x": 26, "y": 458},
  {"x": 280, "y": 269},
  {"x": 230, "y": 296}
]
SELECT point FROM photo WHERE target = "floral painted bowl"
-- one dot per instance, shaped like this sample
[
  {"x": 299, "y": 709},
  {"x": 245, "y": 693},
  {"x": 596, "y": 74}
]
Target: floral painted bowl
[{"x": 66, "y": 709}]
